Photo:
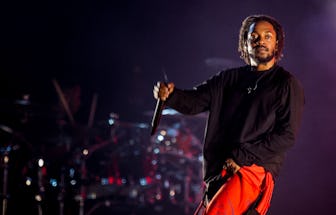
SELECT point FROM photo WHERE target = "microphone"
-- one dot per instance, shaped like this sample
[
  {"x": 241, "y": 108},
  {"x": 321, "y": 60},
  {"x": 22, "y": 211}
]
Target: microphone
[
  {"x": 157, "y": 115},
  {"x": 159, "y": 107}
]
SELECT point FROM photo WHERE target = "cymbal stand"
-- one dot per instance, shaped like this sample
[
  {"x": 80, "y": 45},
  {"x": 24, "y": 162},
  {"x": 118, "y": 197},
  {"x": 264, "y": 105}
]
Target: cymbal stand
[
  {"x": 5, "y": 180},
  {"x": 40, "y": 196},
  {"x": 83, "y": 171},
  {"x": 62, "y": 192},
  {"x": 84, "y": 154}
]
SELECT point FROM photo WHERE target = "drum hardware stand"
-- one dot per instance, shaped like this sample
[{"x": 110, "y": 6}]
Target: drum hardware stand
[
  {"x": 5, "y": 181},
  {"x": 84, "y": 153},
  {"x": 82, "y": 194},
  {"x": 39, "y": 197},
  {"x": 62, "y": 192}
]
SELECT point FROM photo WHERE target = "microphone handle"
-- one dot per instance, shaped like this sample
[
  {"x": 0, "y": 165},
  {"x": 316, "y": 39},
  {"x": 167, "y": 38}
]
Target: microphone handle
[{"x": 157, "y": 115}]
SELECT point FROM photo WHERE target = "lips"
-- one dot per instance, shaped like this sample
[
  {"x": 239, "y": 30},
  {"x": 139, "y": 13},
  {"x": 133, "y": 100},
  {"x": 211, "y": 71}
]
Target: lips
[{"x": 261, "y": 49}]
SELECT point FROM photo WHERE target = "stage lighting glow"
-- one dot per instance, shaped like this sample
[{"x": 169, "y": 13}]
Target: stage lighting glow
[
  {"x": 28, "y": 181},
  {"x": 53, "y": 182},
  {"x": 156, "y": 151},
  {"x": 6, "y": 159},
  {"x": 111, "y": 121},
  {"x": 38, "y": 198},
  {"x": 40, "y": 162},
  {"x": 160, "y": 137},
  {"x": 73, "y": 182}
]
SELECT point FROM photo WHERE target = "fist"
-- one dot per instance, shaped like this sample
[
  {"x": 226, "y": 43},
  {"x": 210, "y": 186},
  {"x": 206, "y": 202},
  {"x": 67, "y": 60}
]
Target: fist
[
  {"x": 231, "y": 166},
  {"x": 162, "y": 91}
]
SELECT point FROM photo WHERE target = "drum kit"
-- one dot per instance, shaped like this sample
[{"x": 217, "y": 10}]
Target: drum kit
[{"x": 113, "y": 166}]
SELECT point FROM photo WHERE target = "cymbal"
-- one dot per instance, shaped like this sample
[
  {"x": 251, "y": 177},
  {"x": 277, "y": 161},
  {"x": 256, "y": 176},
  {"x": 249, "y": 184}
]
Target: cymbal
[
  {"x": 123, "y": 124},
  {"x": 6, "y": 129},
  {"x": 133, "y": 124},
  {"x": 12, "y": 107},
  {"x": 24, "y": 101},
  {"x": 172, "y": 113}
]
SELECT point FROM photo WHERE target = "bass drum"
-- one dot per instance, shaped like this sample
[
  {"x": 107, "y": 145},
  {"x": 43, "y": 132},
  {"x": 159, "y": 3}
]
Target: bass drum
[
  {"x": 176, "y": 140},
  {"x": 120, "y": 164},
  {"x": 177, "y": 154}
]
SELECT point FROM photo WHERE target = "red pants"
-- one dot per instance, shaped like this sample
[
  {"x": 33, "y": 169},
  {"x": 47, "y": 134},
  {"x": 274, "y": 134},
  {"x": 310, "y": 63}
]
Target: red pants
[{"x": 241, "y": 190}]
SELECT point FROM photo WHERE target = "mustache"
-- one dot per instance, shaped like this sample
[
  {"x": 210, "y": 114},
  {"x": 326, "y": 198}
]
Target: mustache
[{"x": 261, "y": 46}]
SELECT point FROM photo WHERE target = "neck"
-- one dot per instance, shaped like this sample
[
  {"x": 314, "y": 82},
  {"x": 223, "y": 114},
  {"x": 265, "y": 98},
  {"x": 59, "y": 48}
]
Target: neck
[{"x": 263, "y": 66}]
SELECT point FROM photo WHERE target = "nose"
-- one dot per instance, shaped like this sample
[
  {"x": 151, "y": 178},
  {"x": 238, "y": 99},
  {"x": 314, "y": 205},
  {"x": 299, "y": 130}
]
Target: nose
[{"x": 259, "y": 41}]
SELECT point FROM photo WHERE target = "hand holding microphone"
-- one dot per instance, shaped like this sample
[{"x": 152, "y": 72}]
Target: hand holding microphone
[{"x": 161, "y": 92}]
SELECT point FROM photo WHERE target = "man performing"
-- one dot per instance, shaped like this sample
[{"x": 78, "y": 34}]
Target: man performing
[{"x": 254, "y": 116}]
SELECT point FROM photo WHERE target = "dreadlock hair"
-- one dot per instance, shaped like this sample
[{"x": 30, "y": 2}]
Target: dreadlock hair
[{"x": 280, "y": 35}]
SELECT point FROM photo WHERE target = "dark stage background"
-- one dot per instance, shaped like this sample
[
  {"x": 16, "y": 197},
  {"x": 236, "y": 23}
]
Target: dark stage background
[{"x": 117, "y": 50}]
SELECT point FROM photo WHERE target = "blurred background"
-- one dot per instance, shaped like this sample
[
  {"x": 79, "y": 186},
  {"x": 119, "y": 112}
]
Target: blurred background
[{"x": 76, "y": 102}]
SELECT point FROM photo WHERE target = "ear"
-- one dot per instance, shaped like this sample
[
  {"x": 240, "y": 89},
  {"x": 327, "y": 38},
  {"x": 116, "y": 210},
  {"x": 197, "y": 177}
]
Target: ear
[{"x": 276, "y": 45}]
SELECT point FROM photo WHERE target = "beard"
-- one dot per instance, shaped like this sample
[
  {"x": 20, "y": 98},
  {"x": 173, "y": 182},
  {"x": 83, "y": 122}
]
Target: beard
[{"x": 262, "y": 59}]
